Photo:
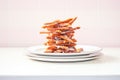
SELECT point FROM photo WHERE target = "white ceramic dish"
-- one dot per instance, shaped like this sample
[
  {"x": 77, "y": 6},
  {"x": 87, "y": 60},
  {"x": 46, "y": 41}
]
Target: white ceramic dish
[
  {"x": 65, "y": 57},
  {"x": 39, "y": 50},
  {"x": 64, "y": 60}
]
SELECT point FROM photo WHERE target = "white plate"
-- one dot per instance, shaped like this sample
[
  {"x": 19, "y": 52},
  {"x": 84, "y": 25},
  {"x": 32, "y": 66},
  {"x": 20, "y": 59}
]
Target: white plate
[
  {"x": 86, "y": 51},
  {"x": 68, "y": 57},
  {"x": 64, "y": 60}
]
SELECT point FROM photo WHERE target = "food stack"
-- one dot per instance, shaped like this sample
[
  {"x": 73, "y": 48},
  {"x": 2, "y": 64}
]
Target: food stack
[{"x": 60, "y": 36}]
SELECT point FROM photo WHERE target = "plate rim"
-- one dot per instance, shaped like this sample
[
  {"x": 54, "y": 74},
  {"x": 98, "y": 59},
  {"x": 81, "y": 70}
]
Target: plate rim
[
  {"x": 69, "y": 57},
  {"x": 63, "y": 54}
]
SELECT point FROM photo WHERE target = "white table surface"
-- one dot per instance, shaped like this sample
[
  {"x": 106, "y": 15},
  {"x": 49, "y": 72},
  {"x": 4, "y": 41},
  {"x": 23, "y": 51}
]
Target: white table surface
[{"x": 13, "y": 61}]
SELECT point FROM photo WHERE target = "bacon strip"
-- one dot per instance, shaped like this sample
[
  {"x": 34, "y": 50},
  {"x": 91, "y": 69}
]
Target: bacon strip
[{"x": 60, "y": 36}]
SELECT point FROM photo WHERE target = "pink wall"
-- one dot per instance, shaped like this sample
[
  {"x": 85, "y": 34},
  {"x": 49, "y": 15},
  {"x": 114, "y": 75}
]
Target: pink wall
[{"x": 20, "y": 20}]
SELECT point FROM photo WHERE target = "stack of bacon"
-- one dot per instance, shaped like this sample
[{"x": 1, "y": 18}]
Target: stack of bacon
[{"x": 60, "y": 36}]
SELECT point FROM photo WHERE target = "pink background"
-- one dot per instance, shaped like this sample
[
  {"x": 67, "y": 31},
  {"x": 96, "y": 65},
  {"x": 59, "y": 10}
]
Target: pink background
[{"x": 20, "y": 20}]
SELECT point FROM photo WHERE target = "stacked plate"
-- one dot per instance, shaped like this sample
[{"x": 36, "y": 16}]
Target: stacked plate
[{"x": 89, "y": 53}]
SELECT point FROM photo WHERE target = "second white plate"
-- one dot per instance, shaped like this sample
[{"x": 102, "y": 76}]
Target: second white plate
[{"x": 64, "y": 60}]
